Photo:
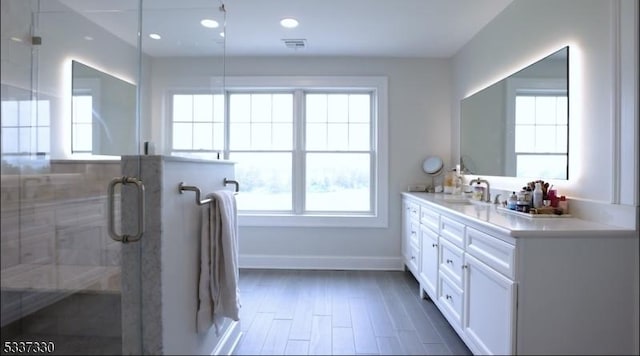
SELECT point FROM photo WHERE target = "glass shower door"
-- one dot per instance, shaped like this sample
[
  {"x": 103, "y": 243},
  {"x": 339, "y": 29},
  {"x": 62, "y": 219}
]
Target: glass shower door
[{"x": 70, "y": 110}]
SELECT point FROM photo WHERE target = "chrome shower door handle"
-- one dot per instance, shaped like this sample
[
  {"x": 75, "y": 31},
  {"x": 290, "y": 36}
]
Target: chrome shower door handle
[{"x": 124, "y": 238}]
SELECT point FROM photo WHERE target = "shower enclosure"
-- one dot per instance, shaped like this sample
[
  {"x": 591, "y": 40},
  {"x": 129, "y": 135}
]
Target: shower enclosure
[{"x": 76, "y": 96}]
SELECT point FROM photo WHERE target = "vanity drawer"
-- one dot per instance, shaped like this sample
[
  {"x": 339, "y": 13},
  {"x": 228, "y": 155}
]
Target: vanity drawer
[
  {"x": 414, "y": 233},
  {"x": 496, "y": 253},
  {"x": 430, "y": 218},
  {"x": 413, "y": 262},
  {"x": 413, "y": 210},
  {"x": 451, "y": 300},
  {"x": 451, "y": 261},
  {"x": 452, "y": 231}
]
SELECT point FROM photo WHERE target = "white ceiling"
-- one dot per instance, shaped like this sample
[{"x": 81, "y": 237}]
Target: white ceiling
[{"x": 384, "y": 28}]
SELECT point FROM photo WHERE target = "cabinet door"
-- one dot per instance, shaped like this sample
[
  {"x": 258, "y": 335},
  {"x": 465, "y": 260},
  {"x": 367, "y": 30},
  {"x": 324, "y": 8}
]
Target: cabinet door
[
  {"x": 406, "y": 229},
  {"x": 429, "y": 266},
  {"x": 489, "y": 309}
]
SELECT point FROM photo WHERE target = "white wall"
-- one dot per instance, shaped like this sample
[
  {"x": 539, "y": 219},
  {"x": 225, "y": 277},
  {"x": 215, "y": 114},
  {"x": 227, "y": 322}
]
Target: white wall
[
  {"x": 529, "y": 30},
  {"x": 419, "y": 92}
]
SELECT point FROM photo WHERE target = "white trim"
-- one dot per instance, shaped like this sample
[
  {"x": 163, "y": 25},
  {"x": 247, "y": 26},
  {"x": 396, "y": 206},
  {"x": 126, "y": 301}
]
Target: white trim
[
  {"x": 380, "y": 263},
  {"x": 615, "y": 100},
  {"x": 628, "y": 144},
  {"x": 229, "y": 340},
  {"x": 315, "y": 220}
]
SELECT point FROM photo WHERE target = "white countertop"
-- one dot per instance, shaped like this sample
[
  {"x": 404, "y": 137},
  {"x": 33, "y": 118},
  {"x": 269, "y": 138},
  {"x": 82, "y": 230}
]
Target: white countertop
[{"x": 488, "y": 215}]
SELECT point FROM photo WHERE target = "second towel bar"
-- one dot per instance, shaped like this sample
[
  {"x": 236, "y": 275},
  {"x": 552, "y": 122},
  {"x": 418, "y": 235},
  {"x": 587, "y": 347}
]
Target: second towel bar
[{"x": 182, "y": 187}]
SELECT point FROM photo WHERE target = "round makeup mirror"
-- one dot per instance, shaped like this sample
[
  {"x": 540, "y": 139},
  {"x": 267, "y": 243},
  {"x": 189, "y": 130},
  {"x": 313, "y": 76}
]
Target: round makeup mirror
[{"x": 432, "y": 165}]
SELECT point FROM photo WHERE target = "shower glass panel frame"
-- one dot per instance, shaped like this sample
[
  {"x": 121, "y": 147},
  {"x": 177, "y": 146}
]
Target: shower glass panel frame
[{"x": 61, "y": 271}]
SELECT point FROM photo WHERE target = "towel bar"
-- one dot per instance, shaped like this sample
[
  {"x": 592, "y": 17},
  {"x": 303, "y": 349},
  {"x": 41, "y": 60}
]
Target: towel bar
[
  {"x": 231, "y": 181},
  {"x": 182, "y": 187}
]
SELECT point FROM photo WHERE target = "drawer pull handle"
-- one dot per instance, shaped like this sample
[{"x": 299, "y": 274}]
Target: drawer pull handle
[
  {"x": 465, "y": 266},
  {"x": 434, "y": 245},
  {"x": 450, "y": 261},
  {"x": 449, "y": 297}
]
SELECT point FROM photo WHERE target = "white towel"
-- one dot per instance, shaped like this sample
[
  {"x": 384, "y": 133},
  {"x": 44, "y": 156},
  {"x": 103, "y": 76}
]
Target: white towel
[{"x": 218, "y": 291}]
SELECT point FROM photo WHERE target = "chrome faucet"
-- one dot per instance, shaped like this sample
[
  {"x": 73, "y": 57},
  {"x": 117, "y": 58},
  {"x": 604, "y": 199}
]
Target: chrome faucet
[{"x": 486, "y": 196}]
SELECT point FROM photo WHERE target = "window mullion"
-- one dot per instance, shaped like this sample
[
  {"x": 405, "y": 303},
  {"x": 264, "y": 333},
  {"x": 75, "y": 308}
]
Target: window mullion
[
  {"x": 226, "y": 126},
  {"x": 298, "y": 171}
]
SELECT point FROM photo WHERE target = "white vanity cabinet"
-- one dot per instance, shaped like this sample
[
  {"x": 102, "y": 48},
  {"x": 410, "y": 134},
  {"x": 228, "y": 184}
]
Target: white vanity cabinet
[
  {"x": 467, "y": 273},
  {"x": 513, "y": 285}
]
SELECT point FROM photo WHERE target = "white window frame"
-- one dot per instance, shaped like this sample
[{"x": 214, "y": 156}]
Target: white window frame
[{"x": 378, "y": 217}]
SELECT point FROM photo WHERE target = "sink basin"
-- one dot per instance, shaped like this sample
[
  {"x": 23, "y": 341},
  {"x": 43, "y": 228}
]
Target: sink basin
[{"x": 455, "y": 199}]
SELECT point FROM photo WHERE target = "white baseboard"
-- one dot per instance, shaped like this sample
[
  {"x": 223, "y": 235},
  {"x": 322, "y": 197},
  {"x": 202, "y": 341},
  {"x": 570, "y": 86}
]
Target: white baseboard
[
  {"x": 229, "y": 340},
  {"x": 321, "y": 262}
]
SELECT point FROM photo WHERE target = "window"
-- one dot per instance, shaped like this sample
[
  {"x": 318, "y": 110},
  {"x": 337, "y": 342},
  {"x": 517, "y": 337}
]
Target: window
[
  {"x": 261, "y": 141},
  {"x": 198, "y": 123},
  {"x": 537, "y": 143},
  {"x": 338, "y": 152},
  {"x": 308, "y": 150},
  {"x": 25, "y": 127},
  {"x": 541, "y": 134},
  {"x": 82, "y": 123}
]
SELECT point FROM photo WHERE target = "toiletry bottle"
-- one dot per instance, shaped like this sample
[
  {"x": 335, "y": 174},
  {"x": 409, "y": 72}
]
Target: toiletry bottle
[
  {"x": 537, "y": 196},
  {"x": 551, "y": 194},
  {"x": 512, "y": 202},
  {"x": 450, "y": 181},
  {"x": 563, "y": 204}
]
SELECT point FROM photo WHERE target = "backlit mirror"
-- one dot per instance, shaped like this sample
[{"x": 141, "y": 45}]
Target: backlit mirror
[
  {"x": 519, "y": 126},
  {"x": 103, "y": 115}
]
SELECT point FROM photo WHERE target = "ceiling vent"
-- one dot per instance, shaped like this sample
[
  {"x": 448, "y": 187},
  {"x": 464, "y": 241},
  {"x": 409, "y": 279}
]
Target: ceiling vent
[{"x": 295, "y": 43}]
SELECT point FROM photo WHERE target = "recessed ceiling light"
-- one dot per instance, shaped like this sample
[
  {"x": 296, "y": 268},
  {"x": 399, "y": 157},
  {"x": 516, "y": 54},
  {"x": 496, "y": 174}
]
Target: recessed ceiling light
[
  {"x": 155, "y": 36},
  {"x": 209, "y": 23},
  {"x": 88, "y": 38},
  {"x": 221, "y": 34},
  {"x": 16, "y": 39},
  {"x": 289, "y": 22}
]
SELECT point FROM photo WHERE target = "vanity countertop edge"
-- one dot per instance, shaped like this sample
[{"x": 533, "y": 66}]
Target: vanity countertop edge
[{"x": 488, "y": 216}]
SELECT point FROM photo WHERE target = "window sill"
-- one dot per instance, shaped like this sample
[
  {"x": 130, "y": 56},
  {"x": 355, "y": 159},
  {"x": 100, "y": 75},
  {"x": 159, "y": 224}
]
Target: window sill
[{"x": 289, "y": 220}]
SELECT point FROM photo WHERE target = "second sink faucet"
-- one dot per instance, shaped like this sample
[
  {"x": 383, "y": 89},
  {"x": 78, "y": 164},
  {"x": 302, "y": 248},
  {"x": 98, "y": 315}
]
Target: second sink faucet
[{"x": 486, "y": 195}]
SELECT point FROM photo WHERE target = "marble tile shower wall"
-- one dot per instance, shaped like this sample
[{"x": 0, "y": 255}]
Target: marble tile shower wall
[{"x": 58, "y": 217}]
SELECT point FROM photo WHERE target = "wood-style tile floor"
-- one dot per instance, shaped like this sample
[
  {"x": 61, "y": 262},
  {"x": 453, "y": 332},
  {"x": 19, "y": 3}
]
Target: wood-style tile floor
[{"x": 306, "y": 312}]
